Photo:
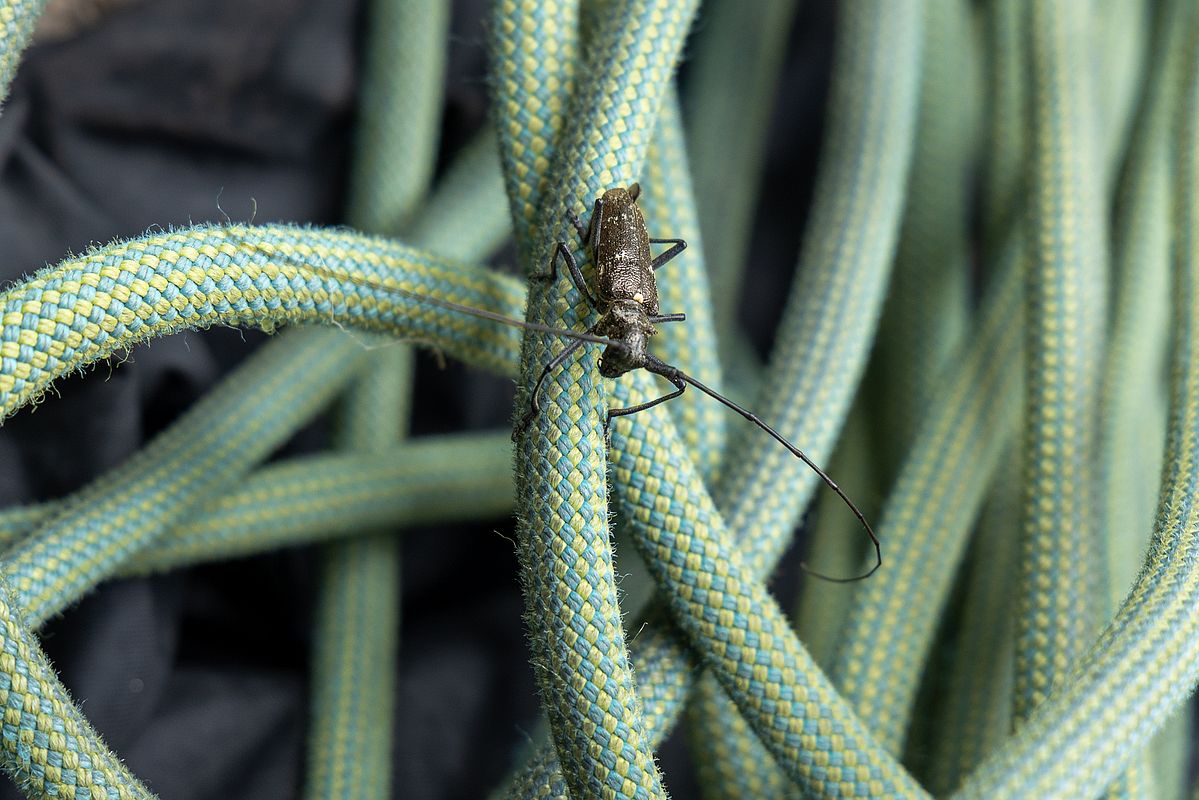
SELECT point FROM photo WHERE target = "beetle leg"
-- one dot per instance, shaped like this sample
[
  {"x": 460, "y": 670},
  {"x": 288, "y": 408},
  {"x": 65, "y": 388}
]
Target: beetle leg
[
  {"x": 579, "y": 226},
  {"x": 535, "y": 402},
  {"x": 576, "y": 274},
  {"x": 679, "y": 388},
  {"x": 668, "y": 318},
  {"x": 667, "y": 255},
  {"x": 596, "y": 223}
]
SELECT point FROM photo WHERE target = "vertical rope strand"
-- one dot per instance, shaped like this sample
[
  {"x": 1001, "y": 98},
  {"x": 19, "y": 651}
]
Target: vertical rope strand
[
  {"x": 358, "y": 606},
  {"x": 737, "y": 59},
  {"x": 1065, "y": 292}
]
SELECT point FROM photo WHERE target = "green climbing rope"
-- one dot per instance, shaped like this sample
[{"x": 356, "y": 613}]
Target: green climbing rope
[{"x": 1039, "y": 530}]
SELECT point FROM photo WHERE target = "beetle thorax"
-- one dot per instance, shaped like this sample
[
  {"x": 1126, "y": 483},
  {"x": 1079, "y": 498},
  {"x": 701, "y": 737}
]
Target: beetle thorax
[{"x": 629, "y": 325}]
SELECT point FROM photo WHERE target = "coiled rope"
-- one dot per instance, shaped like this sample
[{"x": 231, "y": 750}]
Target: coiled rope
[{"x": 584, "y": 101}]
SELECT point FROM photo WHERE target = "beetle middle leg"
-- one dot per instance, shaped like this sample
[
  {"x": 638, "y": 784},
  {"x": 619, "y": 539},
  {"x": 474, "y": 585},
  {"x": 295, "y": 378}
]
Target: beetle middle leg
[{"x": 661, "y": 260}]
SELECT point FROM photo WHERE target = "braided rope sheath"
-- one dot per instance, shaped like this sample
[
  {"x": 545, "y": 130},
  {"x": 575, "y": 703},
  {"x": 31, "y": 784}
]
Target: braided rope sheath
[
  {"x": 734, "y": 624},
  {"x": 737, "y": 55},
  {"x": 1064, "y": 313},
  {"x": 1145, "y": 661},
  {"x": 238, "y": 422},
  {"x": 1133, "y": 431},
  {"x": 1085, "y": 733},
  {"x": 924, "y": 317},
  {"x": 399, "y": 112},
  {"x": 110, "y": 298},
  {"x": 657, "y": 650},
  {"x": 114, "y": 297},
  {"x": 835, "y": 542},
  {"x": 48, "y": 746},
  {"x": 18, "y": 18},
  {"x": 309, "y": 366},
  {"x": 977, "y": 710},
  {"x": 927, "y": 310},
  {"x": 665, "y": 500},
  {"x": 357, "y": 616},
  {"x": 439, "y": 478},
  {"x": 1123, "y": 29},
  {"x": 833, "y": 308},
  {"x": 925, "y": 521},
  {"x": 818, "y": 355},
  {"x": 669, "y": 204},
  {"x": 863, "y": 28}
]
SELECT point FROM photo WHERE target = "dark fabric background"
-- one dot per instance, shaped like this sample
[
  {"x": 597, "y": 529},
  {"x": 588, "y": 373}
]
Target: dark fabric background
[{"x": 199, "y": 678}]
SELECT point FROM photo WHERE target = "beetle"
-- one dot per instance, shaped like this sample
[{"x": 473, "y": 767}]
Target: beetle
[{"x": 625, "y": 295}]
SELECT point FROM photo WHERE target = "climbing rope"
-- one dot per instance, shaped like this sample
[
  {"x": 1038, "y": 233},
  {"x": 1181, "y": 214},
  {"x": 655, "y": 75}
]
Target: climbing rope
[{"x": 1011, "y": 438}]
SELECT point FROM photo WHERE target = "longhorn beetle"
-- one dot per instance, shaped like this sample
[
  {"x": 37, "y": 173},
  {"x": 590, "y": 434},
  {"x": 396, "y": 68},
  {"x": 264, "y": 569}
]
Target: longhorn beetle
[{"x": 626, "y": 298}]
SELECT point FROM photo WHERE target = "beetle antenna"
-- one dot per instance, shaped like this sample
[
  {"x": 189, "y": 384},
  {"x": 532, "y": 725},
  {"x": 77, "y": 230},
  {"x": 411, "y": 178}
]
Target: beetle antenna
[
  {"x": 752, "y": 417},
  {"x": 450, "y": 305}
]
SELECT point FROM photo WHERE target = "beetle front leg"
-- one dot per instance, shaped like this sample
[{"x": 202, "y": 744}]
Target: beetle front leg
[
  {"x": 668, "y": 318},
  {"x": 679, "y": 388}
]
